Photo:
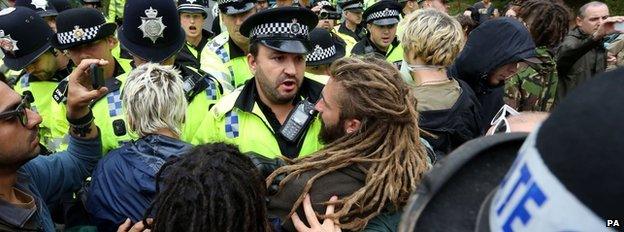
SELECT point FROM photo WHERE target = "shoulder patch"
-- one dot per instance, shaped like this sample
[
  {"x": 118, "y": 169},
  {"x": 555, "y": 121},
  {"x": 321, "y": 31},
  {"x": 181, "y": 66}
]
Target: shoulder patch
[
  {"x": 218, "y": 41},
  {"x": 226, "y": 104}
]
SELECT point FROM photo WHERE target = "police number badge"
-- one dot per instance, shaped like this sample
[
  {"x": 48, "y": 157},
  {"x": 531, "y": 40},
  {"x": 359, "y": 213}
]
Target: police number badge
[
  {"x": 152, "y": 26},
  {"x": 295, "y": 27},
  {"x": 7, "y": 43}
]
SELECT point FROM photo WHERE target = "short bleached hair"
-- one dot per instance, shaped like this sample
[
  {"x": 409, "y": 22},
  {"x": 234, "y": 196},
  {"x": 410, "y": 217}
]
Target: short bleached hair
[
  {"x": 154, "y": 99},
  {"x": 433, "y": 36}
]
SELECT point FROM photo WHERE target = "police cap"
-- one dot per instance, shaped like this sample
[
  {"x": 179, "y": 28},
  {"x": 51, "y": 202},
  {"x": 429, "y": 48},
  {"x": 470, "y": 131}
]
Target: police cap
[
  {"x": 284, "y": 29},
  {"x": 352, "y": 5},
  {"x": 193, "y": 6},
  {"x": 324, "y": 51},
  {"x": 44, "y": 8},
  {"x": 151, "y": 29},
  {"x": 232, "y": 7},
  {"x": 385, "y": 12},
  {"x": 24, "y": 36},
  {"x": 80, "y": 26}
]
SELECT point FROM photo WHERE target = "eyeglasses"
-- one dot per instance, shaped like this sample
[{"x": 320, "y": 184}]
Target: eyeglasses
[
  {"x": 500, "y": 122},
  {"x": 19, "y": 112}
]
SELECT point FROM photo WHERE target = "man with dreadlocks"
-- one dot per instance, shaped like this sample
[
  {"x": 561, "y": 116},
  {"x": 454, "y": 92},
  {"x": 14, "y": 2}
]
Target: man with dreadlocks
[
  {"x": 374, "y": 156},
  {"x": 533, "y": 88}
]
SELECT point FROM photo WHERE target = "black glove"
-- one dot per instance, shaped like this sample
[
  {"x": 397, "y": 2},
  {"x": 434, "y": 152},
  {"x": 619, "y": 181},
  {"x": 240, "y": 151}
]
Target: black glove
[{"x": 266, "y": 166}]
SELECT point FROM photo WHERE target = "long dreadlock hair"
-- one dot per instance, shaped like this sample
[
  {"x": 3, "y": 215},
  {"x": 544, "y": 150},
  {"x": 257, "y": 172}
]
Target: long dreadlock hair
[
  {"x": 212, "y": 188},
  {"x": 547, "y": 20},
  {"x": 387, "y": 144}
]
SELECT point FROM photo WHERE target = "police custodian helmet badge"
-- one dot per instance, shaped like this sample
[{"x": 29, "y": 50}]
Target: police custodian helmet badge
[
  {"x": 43, "y": 4},
  {"x": 7, "y": 43},
  {"x": 152, "y": 26}
]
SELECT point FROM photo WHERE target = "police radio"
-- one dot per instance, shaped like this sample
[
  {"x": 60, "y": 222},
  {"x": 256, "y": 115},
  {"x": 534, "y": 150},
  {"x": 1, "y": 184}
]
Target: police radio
[{"x": 298, "y": 120}]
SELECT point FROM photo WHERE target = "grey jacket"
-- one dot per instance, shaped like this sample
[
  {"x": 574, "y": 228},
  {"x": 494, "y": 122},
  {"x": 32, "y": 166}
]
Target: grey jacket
[{"x": 579, "y": 58}]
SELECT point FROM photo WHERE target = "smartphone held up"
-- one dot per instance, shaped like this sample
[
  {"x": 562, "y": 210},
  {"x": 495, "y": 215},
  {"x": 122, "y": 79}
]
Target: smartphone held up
[{"x": 97, "y": 76}]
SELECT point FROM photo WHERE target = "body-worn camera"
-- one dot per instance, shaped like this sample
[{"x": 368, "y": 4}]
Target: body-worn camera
[{"x": 325, "y": 14}]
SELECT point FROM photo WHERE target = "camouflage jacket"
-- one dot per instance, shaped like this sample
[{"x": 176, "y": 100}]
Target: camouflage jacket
[{"x": 534, "y": 87}]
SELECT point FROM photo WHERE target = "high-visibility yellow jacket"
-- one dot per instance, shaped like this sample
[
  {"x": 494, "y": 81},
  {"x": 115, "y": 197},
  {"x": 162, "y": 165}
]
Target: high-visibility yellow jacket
[{"x": 239, "y": 119}]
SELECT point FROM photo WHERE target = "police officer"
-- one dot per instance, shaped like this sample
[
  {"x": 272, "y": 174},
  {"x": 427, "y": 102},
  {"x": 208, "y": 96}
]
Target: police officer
[
  {"x": 24, "y": 41},
  {"x": 116, "y": 11},
  {"x": 381, "y": 22},
  {"x": 328, "y": 14},
  {"x": 324, "y": 52},
  {"x": 352, "y": 24},
  {"x": 256, "y": 116},
  {"x": 85, "y": 34},
  {"x": 44, "y": 8},
  {"x": 152, "y": 33},
  {"x": 227, "y": 51},
  {"x": 192, "y": 16}
]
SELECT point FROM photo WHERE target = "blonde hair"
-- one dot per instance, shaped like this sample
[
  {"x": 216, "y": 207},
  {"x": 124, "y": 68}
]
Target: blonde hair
[
  {"x": 154, "y": 99},
  {"x": 433, "y": 36}
]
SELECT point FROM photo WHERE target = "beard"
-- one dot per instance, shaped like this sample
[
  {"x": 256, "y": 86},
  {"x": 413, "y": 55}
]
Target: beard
[
  {"x": 331, "y": 133},
  {"x": 270, "y": 90}
]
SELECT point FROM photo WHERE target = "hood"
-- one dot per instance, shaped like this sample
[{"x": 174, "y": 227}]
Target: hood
[
  {"x": 151, "y": 152},
  {"x": 492, "y": 44}
]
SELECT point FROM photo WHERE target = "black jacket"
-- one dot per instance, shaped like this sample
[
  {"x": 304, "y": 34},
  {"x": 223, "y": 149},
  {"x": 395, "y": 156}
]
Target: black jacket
[
  {"x": 491, "y": 45},
  {"x": 455, "y": 126},
  {"x": 186, "y": 57}
]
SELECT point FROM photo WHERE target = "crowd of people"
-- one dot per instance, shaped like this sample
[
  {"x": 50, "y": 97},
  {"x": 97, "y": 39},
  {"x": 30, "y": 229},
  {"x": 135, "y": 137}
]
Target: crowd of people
[{"x": 297, "y": 115}]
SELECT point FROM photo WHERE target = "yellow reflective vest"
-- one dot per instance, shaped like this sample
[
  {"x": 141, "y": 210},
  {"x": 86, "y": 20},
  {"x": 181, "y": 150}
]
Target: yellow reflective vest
[
  {"x": 108, "y": 111},
  {"x": 394, "y": 54},
  {"x": 238, "y": 119},
  {"x": 202, "y": 102},
  {"x": 116, "y": 10},
  {"x": 223, "y": 56},
  {"x": 53, "y": 127}
]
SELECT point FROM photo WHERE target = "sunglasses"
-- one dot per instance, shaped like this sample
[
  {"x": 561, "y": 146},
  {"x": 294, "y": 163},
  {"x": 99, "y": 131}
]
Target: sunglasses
[
  {"x": 500, "y": 122},
  {"x": 19, "y": 112}
]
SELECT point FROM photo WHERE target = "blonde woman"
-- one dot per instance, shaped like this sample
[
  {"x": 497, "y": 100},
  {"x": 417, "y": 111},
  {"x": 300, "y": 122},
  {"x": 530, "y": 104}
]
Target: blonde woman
[
  {"x": 448, "y": 107},
  {"x": 124, "y": 181}
]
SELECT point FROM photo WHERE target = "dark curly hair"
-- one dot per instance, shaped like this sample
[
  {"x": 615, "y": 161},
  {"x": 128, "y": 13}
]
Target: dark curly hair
[
  {"x": 212, "y": 188},
  {"x": 547, "y": 20}
]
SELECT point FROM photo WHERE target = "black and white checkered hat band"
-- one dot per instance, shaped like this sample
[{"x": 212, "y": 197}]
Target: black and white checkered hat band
[
  {"x": 77, "y": 35},
  {"x": 353, "y": 6},
  {"x": 226, "y": 1},
  {"x": 383, "y": 14},
  {"x": 191, "y": 7},
  {"x": 321, "y": 53},
  {"x": 294, "y": 29}
]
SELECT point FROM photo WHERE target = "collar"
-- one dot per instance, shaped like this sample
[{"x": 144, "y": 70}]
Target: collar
[
  {"x": 235, "y": 51},
  {"x": 118, "y": 69},
  {"x": 354, "y": 34},
  {"x": 248, "y": 96},
  {"x": 206, "y": 35},
  {"x": 368, "y": 44},
  {"x": 14, "y": 215},
  {"x": 160, "y": 146}
]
